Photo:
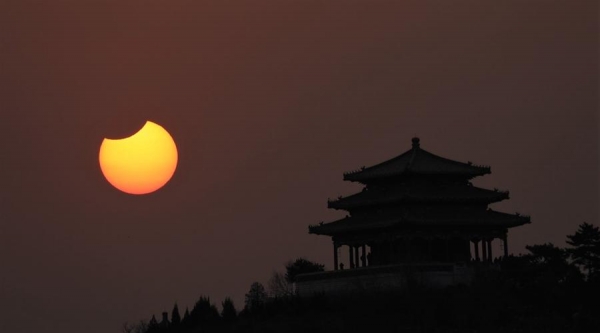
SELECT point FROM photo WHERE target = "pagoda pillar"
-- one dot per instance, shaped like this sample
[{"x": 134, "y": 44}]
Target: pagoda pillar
[
  {"x": 356, "y": 257},
  {"x": 484, "y": 250},
  {"x": 364, "y": 256},
  {"x": 476, "y": 247},
  {"x": 467, "y": 250},
  {"x": 489, "y": 245},
  {"x": 335, "y": 256},
  {"x": 505, "y": 240},
  {"x": 351, "y": 256}
]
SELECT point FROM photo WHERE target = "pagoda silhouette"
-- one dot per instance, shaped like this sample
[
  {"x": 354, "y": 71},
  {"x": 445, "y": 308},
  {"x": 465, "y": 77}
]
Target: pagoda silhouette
[{"x": 417, "y": 218}]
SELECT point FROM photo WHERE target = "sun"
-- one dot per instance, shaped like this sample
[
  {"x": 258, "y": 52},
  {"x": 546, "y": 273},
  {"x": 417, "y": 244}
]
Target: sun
[{"x": 141, "y": 163}]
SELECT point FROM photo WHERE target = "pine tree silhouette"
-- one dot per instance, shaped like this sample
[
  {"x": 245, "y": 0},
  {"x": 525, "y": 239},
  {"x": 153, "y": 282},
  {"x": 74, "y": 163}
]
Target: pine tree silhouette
[
  {"x": 586, "y": 248},
  {"x": 256, "y": 297},
  {"x": 203, "y": 313},
  {"x": 229, "y": 312},
  {"x": 186, "y": 322},
  {"x": 152, "y": 325},
  {"x": 175, "y": 317}
]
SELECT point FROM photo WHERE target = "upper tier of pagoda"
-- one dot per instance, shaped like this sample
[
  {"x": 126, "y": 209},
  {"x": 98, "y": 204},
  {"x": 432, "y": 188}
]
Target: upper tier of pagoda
[
  {"x": 417, "y": 161},
  {"x": 419, "y": 189}
]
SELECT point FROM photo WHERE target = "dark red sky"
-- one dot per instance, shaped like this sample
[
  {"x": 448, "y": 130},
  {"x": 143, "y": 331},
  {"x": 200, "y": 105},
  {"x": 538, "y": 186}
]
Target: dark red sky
[{"x": 269, "y": 103}]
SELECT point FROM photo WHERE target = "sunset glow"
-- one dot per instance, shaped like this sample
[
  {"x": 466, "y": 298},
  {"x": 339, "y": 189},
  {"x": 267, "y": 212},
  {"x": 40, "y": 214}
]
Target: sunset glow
[{"x": 141, "y": 163}]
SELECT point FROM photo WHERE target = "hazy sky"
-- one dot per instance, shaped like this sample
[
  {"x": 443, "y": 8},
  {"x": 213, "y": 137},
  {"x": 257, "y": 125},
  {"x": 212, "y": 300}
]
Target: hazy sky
[{"x": 269, "y": 103}]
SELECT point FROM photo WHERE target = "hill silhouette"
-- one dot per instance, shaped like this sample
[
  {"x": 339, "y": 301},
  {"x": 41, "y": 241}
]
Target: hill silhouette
[{"x": 549, "y": 289}]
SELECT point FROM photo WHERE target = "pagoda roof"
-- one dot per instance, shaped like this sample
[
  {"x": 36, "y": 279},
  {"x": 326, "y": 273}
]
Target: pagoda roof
[
  {"x": 478, "y": 219},
  {"x": 417, "y": 161},
  {"x": 419, "y": 193}
]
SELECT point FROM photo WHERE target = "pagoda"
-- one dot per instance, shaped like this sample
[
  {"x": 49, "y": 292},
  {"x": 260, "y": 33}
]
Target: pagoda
[{"x": 418, "y": 209}]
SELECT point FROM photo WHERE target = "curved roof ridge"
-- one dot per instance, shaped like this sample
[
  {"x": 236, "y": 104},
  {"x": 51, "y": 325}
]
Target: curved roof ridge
[
  {"x": 415, "y": 149},
  {"x": 380, "y": 164},
  {"x": 447, "y": 160},
  {"x": 417, "y": 161}
]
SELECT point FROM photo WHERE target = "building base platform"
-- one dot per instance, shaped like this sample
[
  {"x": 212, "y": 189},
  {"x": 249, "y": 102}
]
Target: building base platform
[{"x": 384, "y": 278}]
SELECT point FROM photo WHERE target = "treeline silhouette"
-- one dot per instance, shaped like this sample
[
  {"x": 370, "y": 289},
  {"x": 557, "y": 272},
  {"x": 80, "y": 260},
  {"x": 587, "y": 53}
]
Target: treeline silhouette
[{"x": 549, "y": 289}]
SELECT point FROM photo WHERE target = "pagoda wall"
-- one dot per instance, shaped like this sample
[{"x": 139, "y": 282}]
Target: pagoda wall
[{"x": 383, "y": 278}]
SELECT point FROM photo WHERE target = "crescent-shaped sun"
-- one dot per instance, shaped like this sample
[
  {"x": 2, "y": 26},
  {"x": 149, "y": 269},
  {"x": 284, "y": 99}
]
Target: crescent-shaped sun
[{"x": 141, "y": 163}]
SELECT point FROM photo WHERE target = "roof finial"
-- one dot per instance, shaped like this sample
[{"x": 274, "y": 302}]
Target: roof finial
[{"x": 415, "y": 142}]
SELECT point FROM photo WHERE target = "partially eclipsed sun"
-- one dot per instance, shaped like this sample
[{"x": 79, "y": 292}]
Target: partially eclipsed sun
[{"x": 141, "y": 163}]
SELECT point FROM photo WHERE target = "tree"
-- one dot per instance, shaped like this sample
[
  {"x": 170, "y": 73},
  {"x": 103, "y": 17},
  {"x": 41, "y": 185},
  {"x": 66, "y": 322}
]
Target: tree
[
  {"x": 152, "y": 325},
  {"x": 186, "y": 318},
  {"x": 301, "y": 266},
  {"x": 549, "y": 266},
  {"x": 586, "y": 248},
  {"x": 203, "y": 312},
  {"x": 547, "y": 253},
  {"x": 279, "y": 286},
  {"x": 175, "y": 317},
  {"x": 141, "y": 327},
  {"x": 256, "y": 297},
  {"x": 228, "y": 313},
  {"x": 127, "y": 328}
]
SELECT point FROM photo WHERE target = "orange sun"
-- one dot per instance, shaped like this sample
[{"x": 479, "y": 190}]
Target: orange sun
[{"x": 141, "y": 163}]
